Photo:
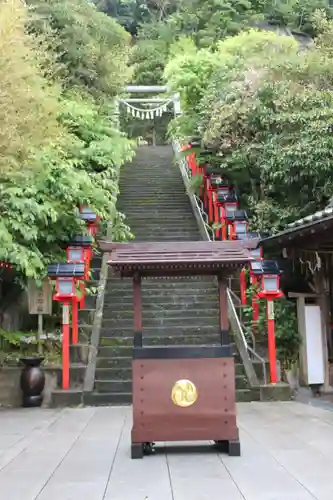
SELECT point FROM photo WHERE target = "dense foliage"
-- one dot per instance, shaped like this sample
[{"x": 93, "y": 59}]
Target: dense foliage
[
  {"x": 266, "y": 107},
  {"x": 160, "y": 23},
  {"x": 62, "y": 62}
]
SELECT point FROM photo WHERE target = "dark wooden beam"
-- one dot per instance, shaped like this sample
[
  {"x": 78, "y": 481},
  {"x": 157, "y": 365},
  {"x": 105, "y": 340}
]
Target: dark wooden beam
[
  {"x": 137, "y": 310},
  {"x": 223, "y": 311}
]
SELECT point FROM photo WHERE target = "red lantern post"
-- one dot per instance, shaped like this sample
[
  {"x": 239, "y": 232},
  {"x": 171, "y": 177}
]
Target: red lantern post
[
  {"x": 65, "y": 346},
  {"x": 204, "y": 168},
  {"x": 92, "y": 221},
  {"x": 237, "y": 224},
  {"x": 66, "y": 294},
  {"x": 75, "y": 255},
  {"x": 270, "y": 290},
  {"x": 224, "y": 200},
  {"x": 65, "y": 275}
]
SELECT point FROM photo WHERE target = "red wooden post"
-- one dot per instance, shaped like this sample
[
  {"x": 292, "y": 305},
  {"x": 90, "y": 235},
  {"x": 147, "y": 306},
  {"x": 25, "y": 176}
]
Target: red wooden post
[
  {"x": 224, "y": 230},
  {"x": 243, "y": 287},
  {"x": 201, "y": 171},
  {"x": 210, "y": 206},
  {"x": 271, "y": 341},
  {"x": 231, "y": 232},
  {"x": 194, "y": 165},
  {"x": 87, "y": 259},
  {"x": 65, "y": 345},
  {"x": 217, "y": 219},
  {"x": 255, "y": 305},
  {"x": 83, "y": 293},
  {"x": 206, "y": 193},
  {"x": 75, "y": 320}
]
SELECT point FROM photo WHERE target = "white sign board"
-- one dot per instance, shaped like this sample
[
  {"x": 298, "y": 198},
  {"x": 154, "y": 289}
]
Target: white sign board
[
  {"x": 40, "y": 298},
  {"x": 314, "y": 345}
]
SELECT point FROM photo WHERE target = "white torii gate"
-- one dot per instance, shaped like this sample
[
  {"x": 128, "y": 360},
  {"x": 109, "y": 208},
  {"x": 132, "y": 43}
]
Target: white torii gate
[{"x": 155, "y": 106}]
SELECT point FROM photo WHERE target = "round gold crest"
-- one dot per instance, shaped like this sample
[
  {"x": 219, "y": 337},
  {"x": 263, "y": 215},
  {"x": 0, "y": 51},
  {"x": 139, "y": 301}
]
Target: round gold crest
[{"x": 184, "y": 393}]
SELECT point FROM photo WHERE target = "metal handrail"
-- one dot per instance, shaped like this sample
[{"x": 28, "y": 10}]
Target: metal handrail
[
  {"x": 187, "y": 174},
  {"x": 240, "y": 329},
  {"x": 238, "y": 302},
  {"x": 209, "y": 234}
]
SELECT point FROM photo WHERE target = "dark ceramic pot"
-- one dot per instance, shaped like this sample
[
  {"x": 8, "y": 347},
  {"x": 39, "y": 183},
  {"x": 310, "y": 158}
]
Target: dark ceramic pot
[{"x": 32, "y": 382}]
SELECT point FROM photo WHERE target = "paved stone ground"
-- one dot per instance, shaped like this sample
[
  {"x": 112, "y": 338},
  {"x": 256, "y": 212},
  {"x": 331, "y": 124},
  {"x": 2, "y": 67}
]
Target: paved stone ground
[{"x": 83, "y": 454}]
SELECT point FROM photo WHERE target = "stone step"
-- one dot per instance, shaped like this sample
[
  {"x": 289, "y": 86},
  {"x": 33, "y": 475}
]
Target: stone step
[
  {"x": 141, "y": 198},
  {"x": 164, "y": 310},
  {"x": 168, "y": 218},
  {"x": 162, "y": 232},
  {"x": 145, "y": 206},
  {"x": 154, "y": 238},
  {"x": 153, "y": 295},
  {"x": 118, "y": 363},
  {"x": 107, "y": 399},
  {"x": 122, "y": 346},
  {"x": 167, "y": 285},
  {"x": 158, "y": 225},
  {"x": 158, "y": 228},
  {"x": 163, "y": 331},
  {"x": 169, "y": 302},
  {"x": 178, "y": 301},
  {"x": 142, "y": 194},
  {"x": 164, "y": 322},
  {"x": 156, "y": 213}
]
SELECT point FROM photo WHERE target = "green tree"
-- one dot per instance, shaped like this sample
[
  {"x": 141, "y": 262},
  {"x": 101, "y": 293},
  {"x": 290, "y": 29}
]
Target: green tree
[
  {"x": 267, "y": 109},
  {"x": 91, "y": 48},
  {"x": 28, "y": 101},
  {"x": 59, "y": 143}
]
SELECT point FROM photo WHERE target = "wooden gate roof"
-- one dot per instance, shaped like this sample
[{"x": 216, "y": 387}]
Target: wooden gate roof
[{"x": 176, "y": 258}]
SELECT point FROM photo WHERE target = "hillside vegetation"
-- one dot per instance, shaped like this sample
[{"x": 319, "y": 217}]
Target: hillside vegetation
[
  {"x": 62, "y": 63},
  {"x": 256, "y": 96}
]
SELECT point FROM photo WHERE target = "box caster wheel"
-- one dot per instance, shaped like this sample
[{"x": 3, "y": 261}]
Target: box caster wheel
[
  {"x": 222, "y": 446},
  {"x": 148, "y": 448}
]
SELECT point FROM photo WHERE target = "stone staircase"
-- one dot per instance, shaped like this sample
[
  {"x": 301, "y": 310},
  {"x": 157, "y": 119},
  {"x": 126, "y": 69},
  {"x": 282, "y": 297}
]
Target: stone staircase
[{"x": 175, "y": 311}]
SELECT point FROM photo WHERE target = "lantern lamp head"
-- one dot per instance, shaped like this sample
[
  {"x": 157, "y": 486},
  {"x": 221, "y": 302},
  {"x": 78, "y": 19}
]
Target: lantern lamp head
[
  {"x": 240, "y": 228},
  {"x": 230, "y": 207},
  {"x": 75, "y": 254},
  {"x": 223, "y": 193},
  {"x": 256, "y": 268},
  {"x": 270, "y": 287},
  {"x": 270, "y": 280},
  {"x": 87, "y": 214},
  {"x": 65, "y": 289},
  {"x": 256, "y": 253},
  {"x": 236, "y": 215},
  {"x": 216, "y": 181}
]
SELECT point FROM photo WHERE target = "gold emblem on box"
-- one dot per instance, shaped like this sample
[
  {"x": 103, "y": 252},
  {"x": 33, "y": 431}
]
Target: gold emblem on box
[{"x": 184, "y": 393}]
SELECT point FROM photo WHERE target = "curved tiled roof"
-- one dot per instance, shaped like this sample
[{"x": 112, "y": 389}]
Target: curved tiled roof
[{"x": 309, "y": 219}]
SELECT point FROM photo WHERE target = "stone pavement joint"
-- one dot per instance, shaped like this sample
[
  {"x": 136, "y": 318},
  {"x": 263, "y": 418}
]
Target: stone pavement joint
[{"x": 84, "y": 454}]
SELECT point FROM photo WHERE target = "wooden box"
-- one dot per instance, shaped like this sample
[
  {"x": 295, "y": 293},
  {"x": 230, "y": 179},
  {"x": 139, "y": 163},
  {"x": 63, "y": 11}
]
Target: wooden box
[{"x": 184, "y": 394}]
